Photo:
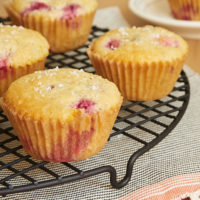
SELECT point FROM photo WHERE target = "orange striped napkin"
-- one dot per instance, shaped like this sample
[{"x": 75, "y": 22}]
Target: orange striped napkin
[{"x": 183, "y": 187}]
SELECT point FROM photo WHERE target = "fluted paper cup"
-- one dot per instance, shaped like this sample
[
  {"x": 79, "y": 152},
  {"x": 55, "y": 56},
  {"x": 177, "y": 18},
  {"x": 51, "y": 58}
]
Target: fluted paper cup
[
  {"x": 57, "y": 140},
  {"x": 139, "y": 81},
  {"x": 12, "y": 73},
  {"x": 185, "y": 9}
]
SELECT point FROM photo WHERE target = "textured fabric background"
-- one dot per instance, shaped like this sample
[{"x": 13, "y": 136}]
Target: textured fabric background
[{"x": 177, "y": 154}]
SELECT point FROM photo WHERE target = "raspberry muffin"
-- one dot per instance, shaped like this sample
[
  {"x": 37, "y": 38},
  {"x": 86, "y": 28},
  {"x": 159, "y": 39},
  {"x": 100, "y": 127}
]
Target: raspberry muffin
[
  {"x": 185, "y": 9},
  {"x": 22, "y": 51},
  {"x": 62, "y": 115},
  {"x": 65, "y": 23},
  {"x": 143, "y": 62}
]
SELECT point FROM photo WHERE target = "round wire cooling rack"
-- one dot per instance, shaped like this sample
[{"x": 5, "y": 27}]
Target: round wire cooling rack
[{"x": 138, "y": 128}]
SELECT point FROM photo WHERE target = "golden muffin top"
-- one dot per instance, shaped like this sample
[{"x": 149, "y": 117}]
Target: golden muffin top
[
  {"x": 142, "y": 44},
  {"x": 61, "y": 94},
  {"x": 63, "y": 9},
  {"x": 20, "y": 46}
]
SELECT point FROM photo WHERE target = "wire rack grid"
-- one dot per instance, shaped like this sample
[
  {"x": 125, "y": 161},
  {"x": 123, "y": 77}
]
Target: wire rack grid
[{"x": 138, "y": 128}]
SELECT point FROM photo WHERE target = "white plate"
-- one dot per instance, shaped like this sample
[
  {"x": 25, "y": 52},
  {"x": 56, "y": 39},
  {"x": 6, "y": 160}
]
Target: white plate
[{"x": 158, "y": 12}]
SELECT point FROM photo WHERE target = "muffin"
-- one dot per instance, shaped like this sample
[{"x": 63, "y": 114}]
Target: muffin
[
  {"x": 185, "y": 9},
  {"x": 22, "y": 51},
  {"x": 62, "y": 115},
  {"x": 66, "y": 24},
  {"x": 143, "y": 62}
]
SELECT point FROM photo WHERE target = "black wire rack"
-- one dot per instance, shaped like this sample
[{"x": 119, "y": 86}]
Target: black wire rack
[{"x": 143, "y": 123}]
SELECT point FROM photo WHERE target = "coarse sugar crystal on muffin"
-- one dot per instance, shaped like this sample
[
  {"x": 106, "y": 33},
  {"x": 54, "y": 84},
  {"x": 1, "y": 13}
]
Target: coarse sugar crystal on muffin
[
  {"x": 185, "y": 9},
  {"x": 143, "y": 62},
  {"x": 65, "y": 23},
  {"x": 62, "y": 114},
  {"x": 22, "y": 51}
]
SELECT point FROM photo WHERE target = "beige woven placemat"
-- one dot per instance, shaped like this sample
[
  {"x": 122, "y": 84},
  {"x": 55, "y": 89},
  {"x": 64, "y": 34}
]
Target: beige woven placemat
[{"x": 176, "y": 154}]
